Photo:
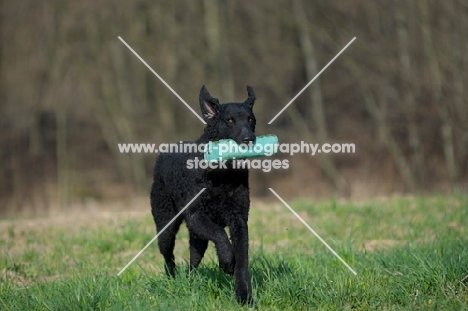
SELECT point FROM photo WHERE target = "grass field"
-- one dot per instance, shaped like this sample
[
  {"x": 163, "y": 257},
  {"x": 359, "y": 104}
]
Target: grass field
[{"x": 409, "y": 253}]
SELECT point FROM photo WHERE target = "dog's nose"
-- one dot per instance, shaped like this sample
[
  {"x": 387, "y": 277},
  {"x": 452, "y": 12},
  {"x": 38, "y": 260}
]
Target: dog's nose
[{"x": 249, "y": 140}]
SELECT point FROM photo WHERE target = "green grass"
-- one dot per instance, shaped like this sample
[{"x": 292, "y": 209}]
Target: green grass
[{"x": 409, "y": 253}]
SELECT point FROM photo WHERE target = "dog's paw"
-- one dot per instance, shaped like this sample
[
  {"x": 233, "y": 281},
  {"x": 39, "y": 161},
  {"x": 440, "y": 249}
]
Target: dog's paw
[
  {"x": 228, "y": 265},
  {"x": 227, "y": 261},
  {"x": 244, "y": 298}
]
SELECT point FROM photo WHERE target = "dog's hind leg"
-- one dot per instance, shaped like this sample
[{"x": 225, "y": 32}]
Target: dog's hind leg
[
  {"x": 197, "y": 250},
  {"x": 163, "y": 210},
  {"x": 166, "y": 241}
]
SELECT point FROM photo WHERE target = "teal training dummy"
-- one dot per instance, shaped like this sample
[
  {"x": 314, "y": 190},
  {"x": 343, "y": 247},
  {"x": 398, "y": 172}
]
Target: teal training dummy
[{"x": 228, "y": 149}]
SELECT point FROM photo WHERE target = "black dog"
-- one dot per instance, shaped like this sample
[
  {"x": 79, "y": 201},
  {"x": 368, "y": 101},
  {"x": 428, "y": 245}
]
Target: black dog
[{"x": 224, "y": 203}]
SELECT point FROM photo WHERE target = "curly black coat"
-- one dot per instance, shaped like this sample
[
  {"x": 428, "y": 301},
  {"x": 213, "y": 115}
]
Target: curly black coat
[{"x": 224, "y": 203}]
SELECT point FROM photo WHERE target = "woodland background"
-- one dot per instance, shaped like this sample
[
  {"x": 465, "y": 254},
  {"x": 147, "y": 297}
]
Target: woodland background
[{"x": 70, "y": 91}]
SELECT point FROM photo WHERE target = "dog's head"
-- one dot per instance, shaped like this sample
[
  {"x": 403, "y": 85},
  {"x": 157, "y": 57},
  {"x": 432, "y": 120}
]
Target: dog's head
[{"x": 234, "y": 121}]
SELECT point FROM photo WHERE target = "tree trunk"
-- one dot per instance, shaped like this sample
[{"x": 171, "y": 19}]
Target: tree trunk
[
  {"x": 459, "y": 69},
  {"x": 317, "y": 113},
  {"x": 216, "y": 33},
  {"x": 315, "y": 91},
  {"x": 407, "y": 88},
  {"x": 60, "y": 111},
  {"x": 447, "y": 130}
]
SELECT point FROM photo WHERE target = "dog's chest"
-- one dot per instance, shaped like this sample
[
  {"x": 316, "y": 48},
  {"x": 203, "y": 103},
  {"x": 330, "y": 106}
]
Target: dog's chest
[{"x": 223, "y": 203}]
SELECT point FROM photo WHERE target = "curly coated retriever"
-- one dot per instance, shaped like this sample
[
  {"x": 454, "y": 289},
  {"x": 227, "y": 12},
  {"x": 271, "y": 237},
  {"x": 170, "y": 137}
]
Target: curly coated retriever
[{"x": 224, "y": 203}]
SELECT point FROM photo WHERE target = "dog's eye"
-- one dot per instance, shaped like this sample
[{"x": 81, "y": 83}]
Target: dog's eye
[
  {"x": 250, "y": 120},
  {"x": 230, "y": 120}
]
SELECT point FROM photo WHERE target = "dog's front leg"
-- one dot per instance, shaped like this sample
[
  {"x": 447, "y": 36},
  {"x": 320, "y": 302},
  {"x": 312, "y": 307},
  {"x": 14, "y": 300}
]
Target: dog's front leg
[
  {"x": 206, "y": 229},
  {"x": 240, "y": 243}
]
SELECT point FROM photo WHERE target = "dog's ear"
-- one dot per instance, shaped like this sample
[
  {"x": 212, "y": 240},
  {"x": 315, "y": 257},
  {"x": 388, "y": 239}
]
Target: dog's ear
[
  {"x": 251, "y": 99},
  {"x": 209, "y": 105}
]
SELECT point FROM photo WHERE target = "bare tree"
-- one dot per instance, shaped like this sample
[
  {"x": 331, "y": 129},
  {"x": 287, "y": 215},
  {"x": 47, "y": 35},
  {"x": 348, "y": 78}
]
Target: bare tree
[
  {"x": 376, "y": 110},
  {"x": 315, "y": 97},
  {"x": 216, "y": 17},
  {"x": 459, "y": 66},
  {"x": 434, "y": 68},
  {"x": 408, "y": 85}
]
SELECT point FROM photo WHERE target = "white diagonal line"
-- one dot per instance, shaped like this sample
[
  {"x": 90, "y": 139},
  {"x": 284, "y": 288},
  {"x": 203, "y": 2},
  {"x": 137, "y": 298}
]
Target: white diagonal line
[
  {"x": 162, "y": 80},
  {"x": 161, "y": 231},
  {"x": 313, "y": 231},
  {"x": 316, "y": 76}
]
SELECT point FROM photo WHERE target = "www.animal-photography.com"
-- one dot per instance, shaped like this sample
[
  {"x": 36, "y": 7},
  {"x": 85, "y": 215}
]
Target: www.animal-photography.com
[{"x": 233, "y": 155}]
